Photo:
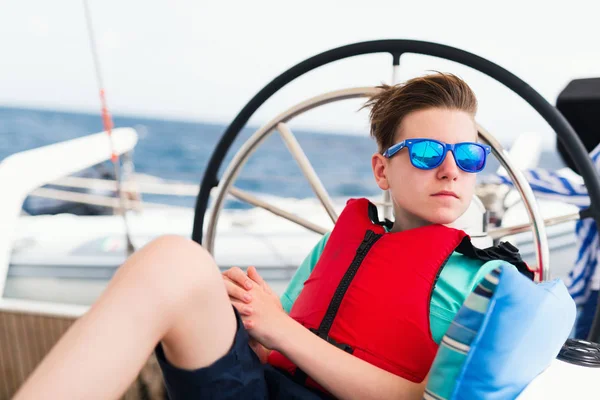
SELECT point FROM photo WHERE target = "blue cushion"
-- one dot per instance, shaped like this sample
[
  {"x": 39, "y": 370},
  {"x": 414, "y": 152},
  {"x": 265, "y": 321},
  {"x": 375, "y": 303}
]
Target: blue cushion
[{"x": 507, "y": 332}]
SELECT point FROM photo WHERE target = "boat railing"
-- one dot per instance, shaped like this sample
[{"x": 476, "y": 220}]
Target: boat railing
[{"x": 23, "y": 172}]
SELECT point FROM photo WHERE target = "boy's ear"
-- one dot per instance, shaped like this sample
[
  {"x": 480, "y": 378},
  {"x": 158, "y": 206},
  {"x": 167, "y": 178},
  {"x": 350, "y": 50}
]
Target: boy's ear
[{"x": 379, "y": 165}]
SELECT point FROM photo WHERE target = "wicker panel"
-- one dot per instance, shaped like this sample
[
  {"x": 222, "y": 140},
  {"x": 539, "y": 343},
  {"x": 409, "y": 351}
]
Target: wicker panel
[{"x": 26, "y": 338}]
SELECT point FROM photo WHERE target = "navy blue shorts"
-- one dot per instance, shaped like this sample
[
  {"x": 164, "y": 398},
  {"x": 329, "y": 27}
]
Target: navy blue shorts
[{"x": 239, "y": 374}]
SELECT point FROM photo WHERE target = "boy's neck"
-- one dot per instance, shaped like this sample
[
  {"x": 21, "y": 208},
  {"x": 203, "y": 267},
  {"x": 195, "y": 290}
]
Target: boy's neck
[{"x": 404, "y": 221}]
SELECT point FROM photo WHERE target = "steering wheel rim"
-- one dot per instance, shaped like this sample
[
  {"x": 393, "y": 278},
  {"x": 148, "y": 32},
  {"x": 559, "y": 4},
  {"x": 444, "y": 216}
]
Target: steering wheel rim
[{"x": 398, "y": 47}]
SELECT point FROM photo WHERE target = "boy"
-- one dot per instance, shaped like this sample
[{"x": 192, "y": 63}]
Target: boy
[{"x": 375, "y": 284}]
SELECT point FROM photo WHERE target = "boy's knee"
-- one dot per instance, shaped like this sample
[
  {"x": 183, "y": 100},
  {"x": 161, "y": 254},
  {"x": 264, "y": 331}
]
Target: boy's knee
[
  {"x": 178, "y": 247},
  {"x": 179, "y": 266}
]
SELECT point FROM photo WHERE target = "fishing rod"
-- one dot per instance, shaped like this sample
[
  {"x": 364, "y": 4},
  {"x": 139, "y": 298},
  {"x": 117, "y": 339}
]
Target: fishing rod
[{"x": 108, "y": 125}]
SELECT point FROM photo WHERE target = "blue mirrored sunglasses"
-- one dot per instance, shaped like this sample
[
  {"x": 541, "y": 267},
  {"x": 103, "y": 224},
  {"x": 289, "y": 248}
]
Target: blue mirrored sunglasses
[{"x": 429, "y": 154}]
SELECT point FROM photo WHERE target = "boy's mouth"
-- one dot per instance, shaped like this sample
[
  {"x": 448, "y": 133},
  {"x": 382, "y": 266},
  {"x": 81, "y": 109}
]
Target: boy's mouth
[{"x": 445, "y": 193}]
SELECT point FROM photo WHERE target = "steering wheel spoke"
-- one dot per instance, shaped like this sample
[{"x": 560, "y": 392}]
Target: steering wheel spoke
[
  {"x": 255, "y": 201},
  {"x": 307, "y": 169},
  {"x": 513, "y": 230}
]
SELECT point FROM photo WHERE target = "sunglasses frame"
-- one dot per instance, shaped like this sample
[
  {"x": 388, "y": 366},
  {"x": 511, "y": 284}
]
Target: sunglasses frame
[{"x": 446, "y": 146}]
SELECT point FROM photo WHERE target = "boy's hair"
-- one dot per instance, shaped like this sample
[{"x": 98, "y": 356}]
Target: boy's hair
[{"x": 393, "y": 103}]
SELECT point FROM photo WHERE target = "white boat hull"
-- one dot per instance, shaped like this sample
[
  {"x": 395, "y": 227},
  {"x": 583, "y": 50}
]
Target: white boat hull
[{"x": 70, "y": 259}]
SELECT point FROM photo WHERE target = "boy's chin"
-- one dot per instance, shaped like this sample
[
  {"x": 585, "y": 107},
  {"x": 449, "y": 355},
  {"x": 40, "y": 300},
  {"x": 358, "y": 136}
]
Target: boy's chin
[{"x": 443, "y": 217}]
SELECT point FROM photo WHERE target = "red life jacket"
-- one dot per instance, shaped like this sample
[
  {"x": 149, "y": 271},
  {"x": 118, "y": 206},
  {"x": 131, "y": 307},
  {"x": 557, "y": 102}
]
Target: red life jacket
[{"x": 370, "y": 291}]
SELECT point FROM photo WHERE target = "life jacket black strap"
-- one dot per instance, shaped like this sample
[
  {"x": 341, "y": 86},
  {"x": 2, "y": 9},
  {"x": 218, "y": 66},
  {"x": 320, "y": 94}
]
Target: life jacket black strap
[
  {"x": 502, "y": 251},
  {"x": 328, "y": 339},
  {"x": 374, "y": 217},
  {"x": 299, "y": 376}
]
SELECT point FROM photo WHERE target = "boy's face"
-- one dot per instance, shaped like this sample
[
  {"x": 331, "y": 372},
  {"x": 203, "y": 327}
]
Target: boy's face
[{"x": 416, "y": 193}]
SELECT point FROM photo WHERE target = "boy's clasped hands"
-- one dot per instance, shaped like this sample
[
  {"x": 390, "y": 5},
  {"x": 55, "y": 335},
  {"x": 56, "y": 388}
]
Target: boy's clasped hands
[{"x": 259, "y": 307}]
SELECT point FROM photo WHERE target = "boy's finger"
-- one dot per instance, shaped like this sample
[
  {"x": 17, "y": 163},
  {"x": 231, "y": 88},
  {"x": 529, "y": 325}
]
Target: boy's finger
[
  {"x": 228, "y": 279},
  {"x": 248, "y": 324},
  {"x": 238, "y": 276},
  {"x": 243, "y": 309},
  {"x": 253, "y": 274},
  {"x": 236, "y": 292}
]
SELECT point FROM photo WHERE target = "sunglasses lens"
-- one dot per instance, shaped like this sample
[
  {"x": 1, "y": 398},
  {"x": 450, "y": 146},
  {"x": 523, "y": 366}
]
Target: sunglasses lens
[
  {"x": 426, "y": 154},
  {"x": 470, "y": 157}
]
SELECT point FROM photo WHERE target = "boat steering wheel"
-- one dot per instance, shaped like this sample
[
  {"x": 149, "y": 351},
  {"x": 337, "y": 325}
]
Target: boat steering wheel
[{"x": 396, "y": 48}]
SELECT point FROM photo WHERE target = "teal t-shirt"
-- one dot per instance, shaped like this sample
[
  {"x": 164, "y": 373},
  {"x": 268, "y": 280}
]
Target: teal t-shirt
[{"x": 457, "y": 280}]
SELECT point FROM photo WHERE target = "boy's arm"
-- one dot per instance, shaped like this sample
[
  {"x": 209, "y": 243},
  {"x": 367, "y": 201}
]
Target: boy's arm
[{"x": 342, "y": 374}]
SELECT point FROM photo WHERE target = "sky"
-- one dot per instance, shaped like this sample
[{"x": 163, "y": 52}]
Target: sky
[{"x": 203, "y": 60}]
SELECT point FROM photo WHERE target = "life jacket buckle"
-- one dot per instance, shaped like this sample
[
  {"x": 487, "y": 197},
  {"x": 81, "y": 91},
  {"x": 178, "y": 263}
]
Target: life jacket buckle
[{"x": 323, "y": 335}]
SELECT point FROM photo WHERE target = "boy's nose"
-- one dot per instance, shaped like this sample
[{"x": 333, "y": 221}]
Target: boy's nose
[{"x": 448, "y": 169}]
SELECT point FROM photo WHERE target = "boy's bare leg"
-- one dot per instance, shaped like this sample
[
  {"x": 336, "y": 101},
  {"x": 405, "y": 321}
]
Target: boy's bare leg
[{"x": 170, "y": 291}]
